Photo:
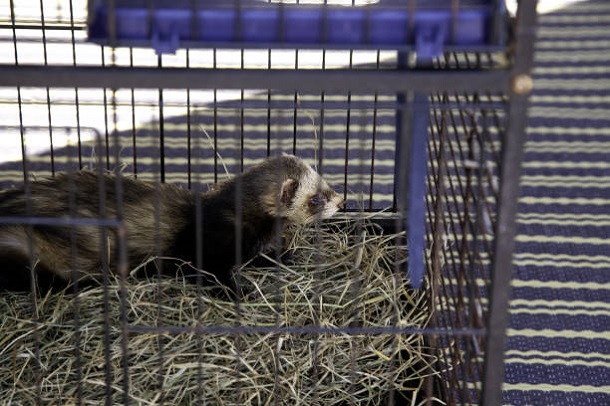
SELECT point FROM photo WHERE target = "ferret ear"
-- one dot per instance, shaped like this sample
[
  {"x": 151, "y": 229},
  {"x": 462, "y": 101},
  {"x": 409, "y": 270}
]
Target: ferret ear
[{"x": 289, "y": 190}]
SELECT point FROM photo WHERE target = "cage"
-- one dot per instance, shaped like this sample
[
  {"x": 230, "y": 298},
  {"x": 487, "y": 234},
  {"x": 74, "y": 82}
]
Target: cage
[{"x": 412, "y": 111}]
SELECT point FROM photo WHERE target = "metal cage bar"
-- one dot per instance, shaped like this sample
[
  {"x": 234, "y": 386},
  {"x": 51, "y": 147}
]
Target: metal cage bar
[
  {"x": 458, "y": 198},
  {"x": 512, "y": 156}
]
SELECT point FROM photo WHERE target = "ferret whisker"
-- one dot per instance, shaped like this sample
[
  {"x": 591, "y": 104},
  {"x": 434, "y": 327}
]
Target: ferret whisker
[{"x": 222, "y": 161}]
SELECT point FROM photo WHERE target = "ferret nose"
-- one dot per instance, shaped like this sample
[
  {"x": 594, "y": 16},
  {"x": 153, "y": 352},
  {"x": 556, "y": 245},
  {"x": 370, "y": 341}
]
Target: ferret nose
[{"x": 341, "y": 204}]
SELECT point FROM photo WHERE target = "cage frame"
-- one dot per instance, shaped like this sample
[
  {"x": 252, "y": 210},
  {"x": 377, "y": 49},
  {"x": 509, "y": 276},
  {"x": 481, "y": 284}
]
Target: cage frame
[{"x": 515, "y": 81}]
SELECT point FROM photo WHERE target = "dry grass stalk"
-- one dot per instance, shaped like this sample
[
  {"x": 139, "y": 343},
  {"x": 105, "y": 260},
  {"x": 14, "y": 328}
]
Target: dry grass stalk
[{"x": 341, "y": 275}]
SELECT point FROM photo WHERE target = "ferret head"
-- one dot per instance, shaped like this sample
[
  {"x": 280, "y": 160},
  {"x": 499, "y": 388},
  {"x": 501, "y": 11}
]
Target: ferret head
[{"x": 298, "y": 193}]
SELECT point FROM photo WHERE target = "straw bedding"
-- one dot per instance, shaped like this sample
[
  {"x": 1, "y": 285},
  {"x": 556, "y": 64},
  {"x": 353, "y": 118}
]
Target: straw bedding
[{"x": 342, "y": 274}]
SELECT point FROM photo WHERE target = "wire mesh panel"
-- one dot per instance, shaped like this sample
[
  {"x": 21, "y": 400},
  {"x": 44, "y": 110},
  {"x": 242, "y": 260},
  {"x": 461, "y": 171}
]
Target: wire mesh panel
[
  {"x": 165, "y": 248},
  {"x": 462, "y": 206}
]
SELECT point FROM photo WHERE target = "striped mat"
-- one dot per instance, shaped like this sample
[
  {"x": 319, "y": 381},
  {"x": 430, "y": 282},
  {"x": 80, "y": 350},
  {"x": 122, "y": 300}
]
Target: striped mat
[{"x": 559, "y": 337}]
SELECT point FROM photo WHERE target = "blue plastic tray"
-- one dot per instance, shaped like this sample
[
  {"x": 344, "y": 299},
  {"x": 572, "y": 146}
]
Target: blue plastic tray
[{"x": 429, "y": 25}]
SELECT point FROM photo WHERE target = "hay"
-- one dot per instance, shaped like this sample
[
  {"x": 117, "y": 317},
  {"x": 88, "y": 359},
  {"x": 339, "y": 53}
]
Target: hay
[{"x": 341, "y": 276}]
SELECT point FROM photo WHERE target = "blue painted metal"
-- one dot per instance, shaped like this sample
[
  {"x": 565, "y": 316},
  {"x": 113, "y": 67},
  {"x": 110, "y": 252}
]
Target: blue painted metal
[
  {"x": 395, "y": 24},
  {"x": 416, "y": 216}
]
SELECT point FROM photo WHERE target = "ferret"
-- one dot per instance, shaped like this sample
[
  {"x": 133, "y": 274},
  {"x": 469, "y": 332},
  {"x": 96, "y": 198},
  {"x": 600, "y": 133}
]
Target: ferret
[{"x": 158, "y": 221}]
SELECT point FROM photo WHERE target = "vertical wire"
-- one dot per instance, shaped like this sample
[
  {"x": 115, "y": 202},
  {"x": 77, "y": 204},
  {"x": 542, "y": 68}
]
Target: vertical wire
[
  {"x": 434, "y": 235},
  {"x": 199, "y": 218},
  {"x": 30, "y": 228},
  {"x": 195, "y": 182},
  {"x": 189, "y": 167},
  {"x": 295, "y": 121},
  {"x": 320, "y": 145},
  {"x": 471, "y": 127},
  {"x": 466, "y": 259},
  {"x": 269, "y": 107},
  {"x": 451, "y": 291},
  {"x": 72, "y": 204},
  {"x": 105, "y": 266},
  {"x": 355, "y": 272},
  {"x": 277, "y": 300},
  {"x": 238, "y": 230},
  {"x": 239, "y": 216},
  {"x": 482, "y": 208},
  {"x": 46, "y": 62},
  {"x": 161, "y": 127},
  {"x": 158, "y": 291},
  {"x": 404, "y": 109},
  {"x": 464, "y": 248},
  {"x": 438, "y": 168},
  {"x": 121, "y": 251},
  {"x": 441, "y": 281},
  {"x": 497, "y": 123},
  {"x": 347, "y": 132},
  {"x": 76, "y": 97},
  {"x": 374, "y": 139},
  {"x": 108, "y": 372},
  {"x": 106, "y": 126},
  {"x": 479, "y": 271},
  {"x": 74, "y": 272},
  {"x": 215, "y": 101},
  {"x": 198, "y": 224},
  {"x": 470, "y": 286},
  {"x": 241, "y": 118},
  {"x": 318, "y": 152},
  {"x": 277, "y": 241},
  {"x": 159, "y": 265},
  {"x": 134, "y": 145}
]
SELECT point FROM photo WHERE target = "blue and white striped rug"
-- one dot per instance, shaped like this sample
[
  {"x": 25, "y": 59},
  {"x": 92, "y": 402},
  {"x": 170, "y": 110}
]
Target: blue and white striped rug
[{"x": 559, "y": 337}]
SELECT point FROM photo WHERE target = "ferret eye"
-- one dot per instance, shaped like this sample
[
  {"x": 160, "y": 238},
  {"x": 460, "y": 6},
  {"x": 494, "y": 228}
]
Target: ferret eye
[{"x": 317, "y": 200}]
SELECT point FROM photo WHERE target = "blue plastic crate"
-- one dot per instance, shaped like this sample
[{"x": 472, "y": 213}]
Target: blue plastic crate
[{"x": 430, "y": 26}]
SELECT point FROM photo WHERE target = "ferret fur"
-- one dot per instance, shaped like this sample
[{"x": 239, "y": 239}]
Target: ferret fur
[{"x": 159, "y": 220}]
